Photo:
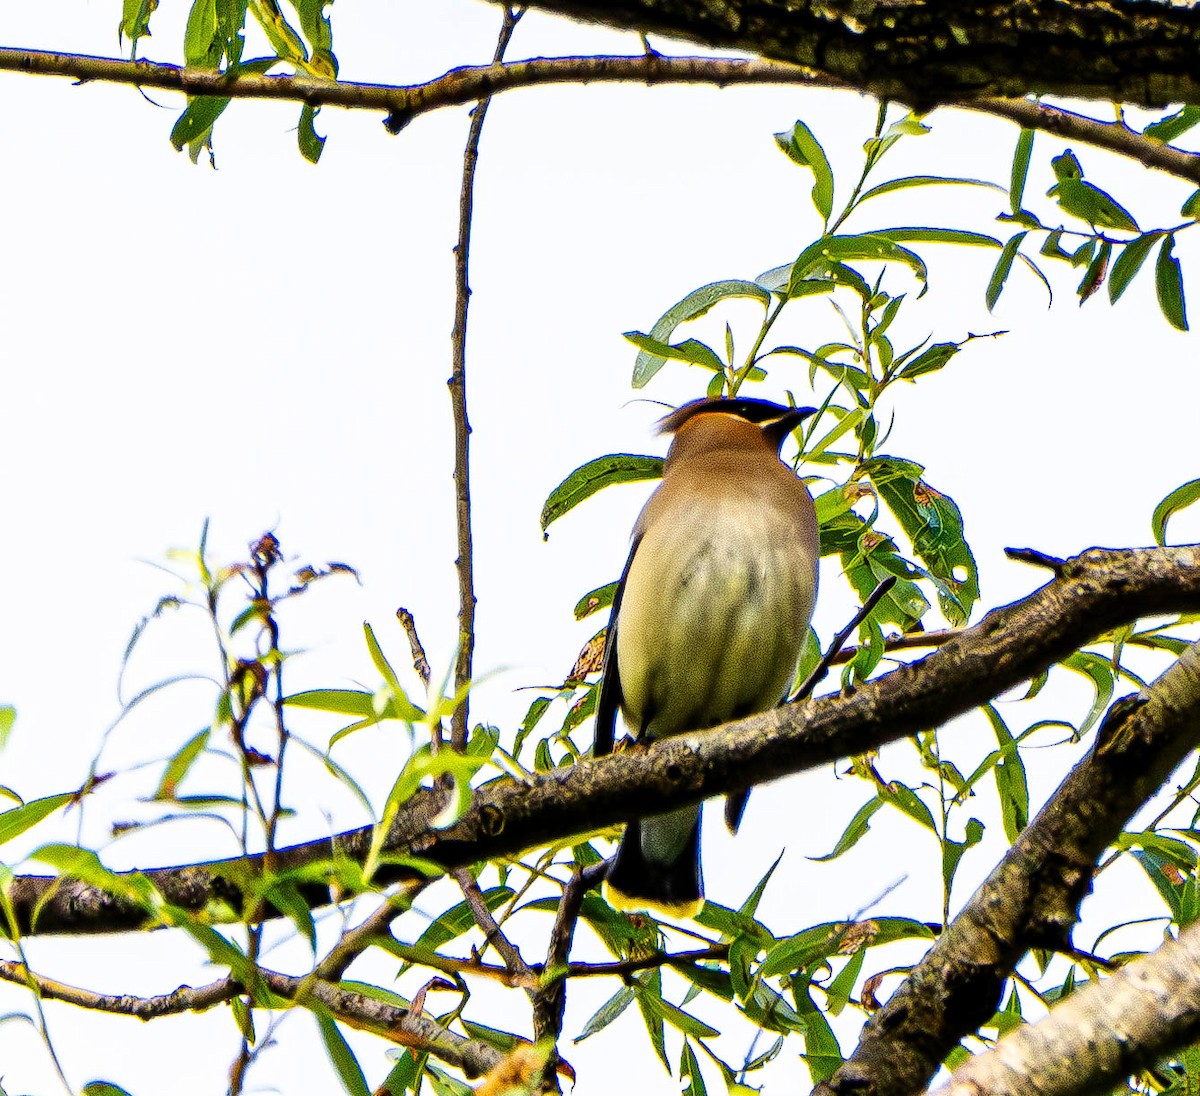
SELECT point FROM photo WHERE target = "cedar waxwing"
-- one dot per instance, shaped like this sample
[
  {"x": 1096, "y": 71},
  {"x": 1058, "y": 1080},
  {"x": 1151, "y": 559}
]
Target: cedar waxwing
[{"x": 709, "y": 617}]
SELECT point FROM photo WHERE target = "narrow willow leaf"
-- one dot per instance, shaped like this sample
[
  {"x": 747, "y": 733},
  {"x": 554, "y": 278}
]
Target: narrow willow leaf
[
  {"x": 594, "y": 476},
  {"x": 1177, "y": 500},
  {"x": 103, "y": 1088},
  {"x": 1173, "y": 125},
  {"x": 648, "y": 990},
  {"x": 837, "y": 995},
  {"x": 802, "y": 148},
  {"x": 135, "y": 20},
  {"x": 689, "y": 1068},
  {"x": 692, "y": 307},
  {"x": 1099, "y": 672},
  {"x": 1002, "y": 269},
  {"x": 459, "y": 919},
  {"x": 311, "y": 143},
  {"x": 1191, "y": 207},
  {"x": 867, "y": 246},
  {"x": 1020, "y": 170},
  {"x": 199, "y": 33},
  {"x": 1168, "y": 281},
  {"x": 1093, "y": 277},
  {"x": 179, "y": 765},
  {"x": 1089, "y": 203},
  {"x": 1128, "y": 263},
  {"x": 934, "y": 525},
  {"x": 595, "y": 600},
  {"x": 607, "y": 1013},
  {"x": 918, "y": 235},
  {"x": 195, "y": 124},
  {"x": 910, "y": 181},
  {"x": 855, "y": 831},
  {"x": 15, "y": 822},
  {"x": 341, "y": 1057},
  {"x": 1011, "y": 783},
  {"x": 8, "y": 716},
  {"x": 929, "y": 360},
  {"x": 952, "y": 851},
  {"x": 691, "y": 351}
]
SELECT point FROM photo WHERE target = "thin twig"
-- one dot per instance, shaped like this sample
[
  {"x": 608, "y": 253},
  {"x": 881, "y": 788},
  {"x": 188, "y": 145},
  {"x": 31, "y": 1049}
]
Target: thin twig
[
  {"x": 465, "y": 564},
  {"x": 420, "y": 662},
  {"x": 550, "y": 1001},
  {"x": 493, "y": 934},
  {"x": 358, "y": 939},
  {"x": 818, "y": 675},
  {"x": 1035, "y": 558}
]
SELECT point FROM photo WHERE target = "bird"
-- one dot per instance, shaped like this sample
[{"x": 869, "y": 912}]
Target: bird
[{"x": 708, "y": 619}]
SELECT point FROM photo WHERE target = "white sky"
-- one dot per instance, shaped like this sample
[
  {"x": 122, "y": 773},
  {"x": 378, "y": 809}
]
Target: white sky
[{"x": 267, "y": 345}]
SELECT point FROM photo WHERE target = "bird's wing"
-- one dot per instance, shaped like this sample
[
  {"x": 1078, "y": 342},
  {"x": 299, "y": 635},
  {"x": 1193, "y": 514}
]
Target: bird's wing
[{"x": 611, "y": 696}]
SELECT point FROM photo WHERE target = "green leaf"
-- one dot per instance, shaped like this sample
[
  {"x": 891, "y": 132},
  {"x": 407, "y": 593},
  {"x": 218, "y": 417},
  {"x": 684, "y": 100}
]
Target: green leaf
[
  {"x": 689, "y": 1068},
  {"x": 342, "y": 1057},
  {"x": 855, "y": 831},
  {"x": 594, "y": 476},
  {"x": 867, "y": 246},
  {"x": 821, "y": 1051},
  {"x": 311, "y": 143},
  {"x": 691, "y": 351},
  {"x": 1191, "y": 207},
  {"x": 909, "y": 181},
  {"x": 1089, "y": 203},
  {"x": 459, "y": 919},
  {"x": 504, "y": 1041},
  {"x": 903, "y": 797},
  {"x": 103, "y": 1088},
  {"x": 135, "y": 21},
  {"x": 8, "y": 716},
  {"x": 179, "y": 765},
  {"x": 676, "y": 1017},
  {"x": 930, "y": 360},
  {"x": 443, "y": 1084},
  {"x": 1173, "y": 125},
  {"x": 15, "y": 822},
  {"x": 1128, "y": 263},
  {"x": 804, "y": 149},
  {"x": 1011, "y": 783},
  {"x": 1093, "y": 277},
  {"x": 1165, "y": 876},
  {"x": 1182, "y": 497},
  {"x": 357, "y": 703},
  {"x": 1002, "y": 269},
  {"x": 193, "y": 129},
  {"x": 648, "y": 992},
  {"x": 692, "y": 307},
  {"x": 933, "y": 523},
  {"x": 937, "y": 236},
  {"x": 1099, "y": 672},
  {"x": 1168, "y": 281},
  {"x": 1020, "y": 170},
  {"x": 839, "y": 990},
  {"x": 607, "y": 1012},
  {"x": 72, "y": 862},
  {"x": 595, "y": 600},
  {"x": 199, "y": 34},
  {"x": 952, "y": 851}
]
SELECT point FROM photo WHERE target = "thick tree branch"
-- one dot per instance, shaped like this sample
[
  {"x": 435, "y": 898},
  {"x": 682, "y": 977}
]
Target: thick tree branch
[
  {"x": 1032, "y": 897},
  {"x": 1094, "y": 593},
  {"x": 1098, "y": 1036},
  {"x": 926, "y": 52}
]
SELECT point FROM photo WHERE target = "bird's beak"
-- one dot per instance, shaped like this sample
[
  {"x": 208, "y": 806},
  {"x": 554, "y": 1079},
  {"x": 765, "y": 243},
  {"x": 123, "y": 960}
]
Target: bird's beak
[{"x": 780, "y": 428}]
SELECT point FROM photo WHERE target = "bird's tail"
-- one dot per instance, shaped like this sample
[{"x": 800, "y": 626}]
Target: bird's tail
[{"x": 657, "y": 865}]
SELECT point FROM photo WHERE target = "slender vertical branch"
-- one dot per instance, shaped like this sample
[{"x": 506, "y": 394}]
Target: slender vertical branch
[{"x": 458, "y": 399}]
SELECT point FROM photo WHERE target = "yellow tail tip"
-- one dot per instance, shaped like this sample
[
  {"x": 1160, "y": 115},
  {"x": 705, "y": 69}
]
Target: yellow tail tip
[{"x": 628, "y": 903}]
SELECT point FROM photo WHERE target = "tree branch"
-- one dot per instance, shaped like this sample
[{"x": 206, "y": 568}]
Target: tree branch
[
  {"x": 1098, "y": 1036},
  {"x": 1094, "y": 593},
  {"x": 399, "y": 1025},
  {"x": 465, "y": 564},
  {"x": 1032, "y": 897},
  {"x": 402, "y": 103}
]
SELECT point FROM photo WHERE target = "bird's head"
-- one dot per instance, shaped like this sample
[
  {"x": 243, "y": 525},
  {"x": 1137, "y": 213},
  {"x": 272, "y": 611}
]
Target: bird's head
[{"x": 716, "y": 416}]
